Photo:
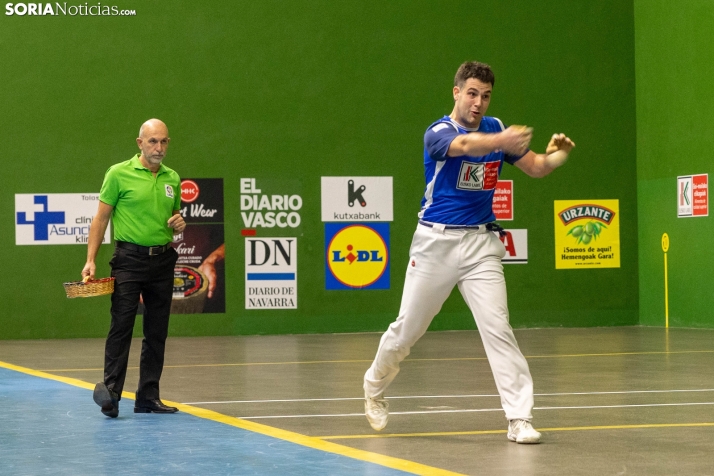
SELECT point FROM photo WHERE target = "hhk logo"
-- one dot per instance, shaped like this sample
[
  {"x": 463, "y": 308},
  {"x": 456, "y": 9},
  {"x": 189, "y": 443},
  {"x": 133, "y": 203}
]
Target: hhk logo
[
  {"x": 43, "y": 219},
  {"x": 353, "y": 194},
  {"x": 189, "y": 191}
]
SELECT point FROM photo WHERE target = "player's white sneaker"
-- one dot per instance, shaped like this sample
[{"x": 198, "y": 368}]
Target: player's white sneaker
[
  {"x": 376, "y": 411},
  {"x": 521, "y": 431}
]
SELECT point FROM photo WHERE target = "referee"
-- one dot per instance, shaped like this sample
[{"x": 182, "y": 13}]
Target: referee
[{"x": 142, "y": 196}]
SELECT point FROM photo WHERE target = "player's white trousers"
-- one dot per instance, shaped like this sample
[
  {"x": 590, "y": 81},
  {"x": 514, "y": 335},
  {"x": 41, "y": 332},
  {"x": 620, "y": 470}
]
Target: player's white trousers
[{"x": 471, "y": 259}]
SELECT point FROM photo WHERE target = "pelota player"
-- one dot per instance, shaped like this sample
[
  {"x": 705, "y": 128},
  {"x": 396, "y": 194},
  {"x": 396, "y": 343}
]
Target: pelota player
[{"x": 454, "y": 245}]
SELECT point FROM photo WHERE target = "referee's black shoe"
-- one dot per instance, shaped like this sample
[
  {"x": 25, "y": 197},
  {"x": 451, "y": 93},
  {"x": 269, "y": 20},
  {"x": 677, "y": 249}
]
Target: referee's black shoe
[
  {"x": 153, "y": 406},
  {"x": 107, "y": 399}
]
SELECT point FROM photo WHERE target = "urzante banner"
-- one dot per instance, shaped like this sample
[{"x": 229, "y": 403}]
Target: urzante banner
[
  {"x": 199, "y": 276},
  {"x": 587, "y": 234},
  {"x": 55, "y": 218}
]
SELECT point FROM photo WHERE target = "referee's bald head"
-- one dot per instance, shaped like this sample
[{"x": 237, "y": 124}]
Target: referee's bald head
[{"x": 152, "y": 125}]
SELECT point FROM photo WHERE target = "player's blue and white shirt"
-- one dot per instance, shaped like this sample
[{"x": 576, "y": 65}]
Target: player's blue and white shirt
[{"x": 459, "y": 190}]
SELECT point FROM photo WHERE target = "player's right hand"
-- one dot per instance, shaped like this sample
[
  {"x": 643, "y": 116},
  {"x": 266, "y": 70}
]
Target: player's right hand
[
  {"x": 559, "y": 142},
  {"x": 516, "y": 139},
  {"x": 88, "y": 270}
]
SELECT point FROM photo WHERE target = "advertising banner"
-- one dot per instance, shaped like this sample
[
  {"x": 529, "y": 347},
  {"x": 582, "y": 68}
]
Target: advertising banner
[
  {"x": 271, "y": 273},
  {"x": 356, "y": 256},
  {"x": 693, "y": 195},
  {"x": 356, "y": 199},
  {"x": 516, "y": 244},
  {"x": 199, "y": 275},
  {"x": 503, "y": 200},
  {"x": 587, "y": 234},
  {"x": 55, "y": 218},
  {"x": 272, "y": 208}
]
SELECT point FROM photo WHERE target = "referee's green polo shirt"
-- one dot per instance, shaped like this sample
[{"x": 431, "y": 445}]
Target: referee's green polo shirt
[{"x": 142, "y": 203}]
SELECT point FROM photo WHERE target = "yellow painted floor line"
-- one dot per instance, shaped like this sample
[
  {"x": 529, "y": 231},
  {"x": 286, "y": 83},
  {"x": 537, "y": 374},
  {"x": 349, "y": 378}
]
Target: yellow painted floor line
[
  {"x": 68, "y": 380},
  {"x": 560, "y": 356},
  {"x": 303, "y": 440},
  {"x": 495, "y": 432},
  {"x": 614, "y": 354},
  {"x": 361, "y": 361},
  {"x": 238, "y": 364}
]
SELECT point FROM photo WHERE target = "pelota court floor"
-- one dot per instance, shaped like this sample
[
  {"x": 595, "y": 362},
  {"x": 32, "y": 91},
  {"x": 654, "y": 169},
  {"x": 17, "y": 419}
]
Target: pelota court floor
[{"x": 609, "y": 401}]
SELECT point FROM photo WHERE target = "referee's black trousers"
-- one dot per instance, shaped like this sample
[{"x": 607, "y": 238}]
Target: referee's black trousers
[{"x": 151, "y": 277}]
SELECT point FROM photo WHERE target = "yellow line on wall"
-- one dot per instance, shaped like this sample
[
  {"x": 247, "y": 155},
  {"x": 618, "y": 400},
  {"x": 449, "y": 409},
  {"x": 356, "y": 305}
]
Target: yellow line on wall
[
  {"x": 665, "y": 248},
  {"x": 494, "y": 432},
  {"x": 292, "y": 437}
]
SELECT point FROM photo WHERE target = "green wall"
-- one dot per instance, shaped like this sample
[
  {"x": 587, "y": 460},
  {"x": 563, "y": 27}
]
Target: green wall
[
  {"x": 287, "y": 92},
  {"x": 674, "y": 65}
]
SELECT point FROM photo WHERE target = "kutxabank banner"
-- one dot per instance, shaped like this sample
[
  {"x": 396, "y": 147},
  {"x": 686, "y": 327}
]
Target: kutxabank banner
[{"x": 356, "y": 199}]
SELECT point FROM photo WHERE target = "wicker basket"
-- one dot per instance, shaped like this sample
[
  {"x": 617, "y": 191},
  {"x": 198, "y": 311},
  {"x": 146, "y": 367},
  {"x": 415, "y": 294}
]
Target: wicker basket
[{"x": 95, "y": 287}]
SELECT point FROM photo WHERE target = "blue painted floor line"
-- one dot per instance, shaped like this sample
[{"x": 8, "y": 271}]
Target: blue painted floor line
[{"x": 48, "y": 427}]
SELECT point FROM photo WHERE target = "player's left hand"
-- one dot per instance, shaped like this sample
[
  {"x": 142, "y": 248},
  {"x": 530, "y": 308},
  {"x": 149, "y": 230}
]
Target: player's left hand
[
  {"x": 559, "y": 142},
  {"x": 176, "y": 222}
]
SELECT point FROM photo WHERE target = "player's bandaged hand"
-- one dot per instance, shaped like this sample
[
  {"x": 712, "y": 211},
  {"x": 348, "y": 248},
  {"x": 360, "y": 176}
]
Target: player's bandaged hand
[
  {"x": 559, "y": 142},
  {"x": 558, "y": 149}
]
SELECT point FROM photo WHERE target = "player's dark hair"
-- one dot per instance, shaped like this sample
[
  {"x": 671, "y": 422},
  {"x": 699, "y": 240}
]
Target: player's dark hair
[{"x": 476, "y": 70}]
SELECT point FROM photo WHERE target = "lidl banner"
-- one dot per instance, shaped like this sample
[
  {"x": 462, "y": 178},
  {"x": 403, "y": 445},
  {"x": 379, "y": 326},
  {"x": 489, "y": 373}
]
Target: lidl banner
[
  {"x": 587, "y": 234},
  {"x": 55, "y": 218},
  {"x": 356, "y": 256}
]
